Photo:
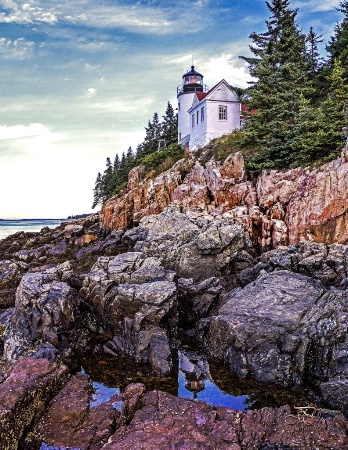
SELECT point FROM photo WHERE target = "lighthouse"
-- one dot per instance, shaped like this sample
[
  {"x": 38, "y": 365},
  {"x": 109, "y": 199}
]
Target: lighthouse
[
  {"x": 192, "y": 83},
  {"x": 205, "y": 114}
]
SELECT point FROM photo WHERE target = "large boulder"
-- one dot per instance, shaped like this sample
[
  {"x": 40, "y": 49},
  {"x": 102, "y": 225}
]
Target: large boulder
[
  {"x": 162, "y": 421},
  {"x": 45, "y": 311},
  {"x": 195, "y": 248},
  {"x": 24, "y": 395},
  {"x": 135, "y": 299},
  {"x": 73, "y": 421},
  {"x": 282, "y": 327},
  {"x": 11, "y": 273},
  {"x": 327, "y": 263}
]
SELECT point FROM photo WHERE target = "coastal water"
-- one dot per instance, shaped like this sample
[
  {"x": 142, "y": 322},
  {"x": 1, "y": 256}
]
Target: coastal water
[
  {"x": 8, "y": 227},
  {"x": 193, "y": 377}
]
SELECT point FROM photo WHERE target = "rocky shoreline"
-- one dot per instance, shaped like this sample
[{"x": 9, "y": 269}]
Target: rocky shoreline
[{"x": 213, "y": 255}]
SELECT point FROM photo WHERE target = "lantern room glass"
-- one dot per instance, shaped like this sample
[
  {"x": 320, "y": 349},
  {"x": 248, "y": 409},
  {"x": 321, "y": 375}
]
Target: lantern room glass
[{"x": 193, "y": 79}]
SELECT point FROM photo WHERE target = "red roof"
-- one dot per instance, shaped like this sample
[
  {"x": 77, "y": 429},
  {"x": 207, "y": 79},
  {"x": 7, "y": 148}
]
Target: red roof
[
  {"x": 201, "y": 95},
  {"x": 245, "y": 109}
]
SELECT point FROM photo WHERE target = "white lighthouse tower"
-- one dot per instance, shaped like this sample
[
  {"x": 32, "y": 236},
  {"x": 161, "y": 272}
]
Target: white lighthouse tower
[{"x": 192, "y": 84}]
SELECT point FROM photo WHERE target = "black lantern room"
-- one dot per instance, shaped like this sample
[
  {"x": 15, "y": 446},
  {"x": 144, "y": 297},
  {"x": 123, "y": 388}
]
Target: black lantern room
[{"x": 192, "y": 82}]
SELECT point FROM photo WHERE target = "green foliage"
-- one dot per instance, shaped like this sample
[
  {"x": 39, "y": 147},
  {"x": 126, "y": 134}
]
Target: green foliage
[
  {"x": 338, "y": 45},
  {"x": 280, "y": 67},
  {"x": 222, "y": 147},
  {"x": 299, "y": 102},
  {"x": 115, "y": 176},
  {"x": 154, "y": 160}
]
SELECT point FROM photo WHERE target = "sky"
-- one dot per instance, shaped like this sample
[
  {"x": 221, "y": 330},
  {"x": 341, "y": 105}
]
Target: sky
[{"x": 80, "y": 79}]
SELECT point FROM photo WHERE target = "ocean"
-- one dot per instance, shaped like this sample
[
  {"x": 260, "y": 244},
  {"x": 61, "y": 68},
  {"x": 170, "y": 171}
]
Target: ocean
[{"x": 8, "y": 227}]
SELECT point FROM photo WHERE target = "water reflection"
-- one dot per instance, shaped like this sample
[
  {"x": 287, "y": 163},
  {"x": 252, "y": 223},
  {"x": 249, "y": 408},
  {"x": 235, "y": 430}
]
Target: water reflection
[
  {"x": 193, "y": 377},
  {"x": 195, "y": 381}
]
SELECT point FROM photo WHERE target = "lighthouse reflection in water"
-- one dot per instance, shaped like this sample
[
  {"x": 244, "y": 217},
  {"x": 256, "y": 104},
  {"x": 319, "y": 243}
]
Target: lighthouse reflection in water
[{"x": 196, "y": 382}]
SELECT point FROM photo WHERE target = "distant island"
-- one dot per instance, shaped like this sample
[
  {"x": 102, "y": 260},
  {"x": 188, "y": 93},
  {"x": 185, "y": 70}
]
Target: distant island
[{"x": 78, "y": 216}]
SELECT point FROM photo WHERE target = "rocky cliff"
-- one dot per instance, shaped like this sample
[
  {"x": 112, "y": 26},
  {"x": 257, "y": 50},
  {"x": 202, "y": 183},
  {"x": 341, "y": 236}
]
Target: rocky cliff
[
  {"x": 176, "y": 258},
  {"x": 281, "y": 208}
]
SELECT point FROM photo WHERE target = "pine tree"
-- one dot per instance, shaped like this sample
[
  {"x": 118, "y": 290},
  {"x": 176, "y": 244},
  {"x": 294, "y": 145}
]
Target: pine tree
[
  {"x": 315, "y": 61},
  {"x": 169, "y": 125},
  {"x": 335, "y": 110},
  {"x": 107, "y": 181},
  {"x": 280, "y": 68},
  {"x": 338, "y": 45},
  {"x": 130, "y": 159},
  {"x": 319, "y": 130},
  {"x": 97, "y": 195},
  {"x": 153, "y": 133},
  {"x": 116, "y": 164}
]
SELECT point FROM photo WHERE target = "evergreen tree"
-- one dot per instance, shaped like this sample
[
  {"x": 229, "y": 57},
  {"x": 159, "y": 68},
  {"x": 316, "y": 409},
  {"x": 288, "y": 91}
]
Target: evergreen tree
[
  {"x": 338, "y": 45},
  {"x": 280, "y": 68},
  {"x": 153, "y": 133},
  {"x": 169, "y": 125},
  {"x": 116, "y": 164},
  {"x": 319, "y": 130},
  {"x": 335, "y": 109},
  {"x": 315, "y": 61},
  {"x": 97, "y": 195},
  {"x": 107, "y": 181},
  {"x": 130, "y": 159}
]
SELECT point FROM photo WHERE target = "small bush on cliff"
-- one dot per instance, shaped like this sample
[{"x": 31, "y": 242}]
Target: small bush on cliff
[{"x": 154, "y": 161}]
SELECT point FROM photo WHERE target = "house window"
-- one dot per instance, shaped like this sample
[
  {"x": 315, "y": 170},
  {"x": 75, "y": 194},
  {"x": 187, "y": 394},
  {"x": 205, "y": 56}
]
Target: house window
[
  {"x": 179, "y": 106},
  {"x": 197, "y": 116},
  {"x": 179, "y": 136},
  {"x": 202, "y": 114},
  {"x": 193, "y": 120},
  {"x": 222, "y": 112}
]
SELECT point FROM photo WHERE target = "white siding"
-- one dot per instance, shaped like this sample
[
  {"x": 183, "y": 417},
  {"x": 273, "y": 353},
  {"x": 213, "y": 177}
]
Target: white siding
[
  {"x": 203, "y": 132},
  {"x": 184, "y": 119}
]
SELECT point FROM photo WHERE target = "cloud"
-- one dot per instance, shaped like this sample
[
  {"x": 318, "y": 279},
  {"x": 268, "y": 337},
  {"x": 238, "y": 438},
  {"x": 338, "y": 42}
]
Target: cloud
[
  {"x": 27, "y": 11},
  {"x": 227, "y": 66},
  {"x": 22, "y": 131},
  {"x": 91, "y": 92},
  {"x": 315, "y": 5},
  {"x": 127, "y": 105},
  {"x": 18, "y": 49},
  {"x": 139, "y": 18}
]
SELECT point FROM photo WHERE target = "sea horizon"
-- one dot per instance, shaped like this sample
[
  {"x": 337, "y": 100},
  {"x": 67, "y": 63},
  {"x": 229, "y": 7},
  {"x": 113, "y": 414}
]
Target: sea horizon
[
  {"x": 12, "y": 226},
  {"x": 34, "y": 218}
]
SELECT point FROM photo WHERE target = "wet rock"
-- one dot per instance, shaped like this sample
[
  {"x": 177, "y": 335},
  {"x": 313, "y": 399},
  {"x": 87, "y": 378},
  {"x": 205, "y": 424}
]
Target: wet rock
[
  {"x": 44, "y": 312},
  {"x": 135, "y": 298},
  {"x": 24, "y": 395},
  {"x": 335, "y": 392},
  {"x": 280, "y": 328},
  {"x": 10, "y": 275},
  {"x": 70, "y": 421},
  {"x": 164, "y": 421},
  {"x": 328, "y": 263},
  {"x": 197, "y": 300},
  {"x": 59, "y": 248},
  {"x": 73, "y": 230}
]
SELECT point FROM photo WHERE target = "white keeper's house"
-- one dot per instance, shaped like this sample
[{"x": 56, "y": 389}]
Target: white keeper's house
[{"x": 205, "y": 114}]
